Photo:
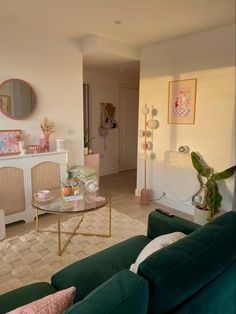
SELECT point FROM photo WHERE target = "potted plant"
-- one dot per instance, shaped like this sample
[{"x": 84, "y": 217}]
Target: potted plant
[
  {"x": 67, "y": 189},
  {"x": 87, "y": 142},
  {"x": 210, "y": 202}
]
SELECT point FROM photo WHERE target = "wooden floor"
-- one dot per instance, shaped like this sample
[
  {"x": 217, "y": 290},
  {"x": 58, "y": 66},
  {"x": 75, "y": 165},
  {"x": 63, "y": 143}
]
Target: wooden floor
[{"x": 122, "y": 187}]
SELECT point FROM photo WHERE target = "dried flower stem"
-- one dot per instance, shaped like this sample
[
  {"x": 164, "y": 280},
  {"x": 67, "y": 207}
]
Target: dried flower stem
[{"x": 47, "y": 126}]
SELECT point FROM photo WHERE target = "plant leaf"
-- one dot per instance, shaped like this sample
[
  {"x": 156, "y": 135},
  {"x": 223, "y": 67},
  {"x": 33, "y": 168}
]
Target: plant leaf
[
  {"x": 214, "y": 198},
  {"x": 198, "y": 163},
  {"x": 224, "y": 174}
]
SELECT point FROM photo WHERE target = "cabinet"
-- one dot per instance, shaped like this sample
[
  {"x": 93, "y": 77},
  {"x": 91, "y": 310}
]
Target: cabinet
[
  {"x": 23, "y": 175},
  {"x": 93, "y": 161}
]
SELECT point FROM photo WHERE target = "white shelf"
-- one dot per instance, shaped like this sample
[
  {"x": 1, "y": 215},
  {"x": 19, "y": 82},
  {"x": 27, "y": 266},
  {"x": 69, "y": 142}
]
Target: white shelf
[{"x": 31, "y": 155}]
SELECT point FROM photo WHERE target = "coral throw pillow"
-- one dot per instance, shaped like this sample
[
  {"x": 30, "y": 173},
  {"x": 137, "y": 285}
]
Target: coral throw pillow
[
  {"x": 155, "y": 245},
  {"x": 54, "y": 303}
]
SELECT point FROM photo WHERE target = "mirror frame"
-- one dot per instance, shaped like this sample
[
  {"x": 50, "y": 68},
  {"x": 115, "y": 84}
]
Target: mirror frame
[{"x": 33, "y": 90}]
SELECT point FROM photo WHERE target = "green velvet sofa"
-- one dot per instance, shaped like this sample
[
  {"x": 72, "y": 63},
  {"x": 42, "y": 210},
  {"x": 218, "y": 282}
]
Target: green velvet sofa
[{"x": 196, "y": 274}]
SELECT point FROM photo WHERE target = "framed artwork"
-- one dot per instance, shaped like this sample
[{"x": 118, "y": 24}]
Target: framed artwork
[
  {"x": 9, "y": 142},
  {"x": 182, "y": 101},
  {"x": 5, "y": 103}
]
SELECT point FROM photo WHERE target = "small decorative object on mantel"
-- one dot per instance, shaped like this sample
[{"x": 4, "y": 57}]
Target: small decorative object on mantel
[
  {"x": 147, "y": 146},
  {"x": 47, "y": 127},
  {"x": 34, "y": 149},
  {"x": 60, "y": 144},
  {"x": 20, "y": 139}
]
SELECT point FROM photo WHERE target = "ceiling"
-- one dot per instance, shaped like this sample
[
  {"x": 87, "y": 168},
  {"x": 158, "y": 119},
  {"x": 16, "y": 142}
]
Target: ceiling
[{"x": 141, "y": 21}]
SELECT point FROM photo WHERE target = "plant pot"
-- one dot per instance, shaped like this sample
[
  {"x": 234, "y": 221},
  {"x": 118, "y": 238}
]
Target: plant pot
[
  {"x": 201, "y": 216},
  {"x": 85, "y": 150}
]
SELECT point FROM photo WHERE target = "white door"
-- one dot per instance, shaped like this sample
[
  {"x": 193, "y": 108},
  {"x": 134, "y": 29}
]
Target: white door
[{"x": 128, "y": 128}]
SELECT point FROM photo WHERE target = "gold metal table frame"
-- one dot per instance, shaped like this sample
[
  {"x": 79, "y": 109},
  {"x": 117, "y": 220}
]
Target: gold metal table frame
[{"x": 55, "y": 206}]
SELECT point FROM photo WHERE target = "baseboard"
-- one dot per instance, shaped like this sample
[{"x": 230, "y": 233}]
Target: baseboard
[
  {"x": 106, "y": 172},
  {"x": 161, "y": 199}
]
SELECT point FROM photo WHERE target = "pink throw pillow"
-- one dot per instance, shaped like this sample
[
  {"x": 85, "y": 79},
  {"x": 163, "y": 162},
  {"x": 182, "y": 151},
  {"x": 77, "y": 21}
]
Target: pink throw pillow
[{"x": 54, "y": 303}]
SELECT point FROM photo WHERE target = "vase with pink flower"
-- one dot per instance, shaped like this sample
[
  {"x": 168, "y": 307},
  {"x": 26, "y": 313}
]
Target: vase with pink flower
[{"x": 47, "y": 127}]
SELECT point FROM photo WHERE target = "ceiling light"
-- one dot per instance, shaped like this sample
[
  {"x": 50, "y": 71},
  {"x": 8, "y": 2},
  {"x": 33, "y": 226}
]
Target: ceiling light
[{"x": 117, "y": 22}]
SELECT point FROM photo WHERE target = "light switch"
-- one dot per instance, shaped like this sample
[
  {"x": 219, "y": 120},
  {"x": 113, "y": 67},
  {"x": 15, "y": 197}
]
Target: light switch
[{"x": 70, "y": 131}]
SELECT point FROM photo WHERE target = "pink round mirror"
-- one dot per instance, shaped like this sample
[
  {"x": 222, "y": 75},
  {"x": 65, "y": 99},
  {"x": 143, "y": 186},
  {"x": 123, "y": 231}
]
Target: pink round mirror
[{"x": 18, "y": 99}]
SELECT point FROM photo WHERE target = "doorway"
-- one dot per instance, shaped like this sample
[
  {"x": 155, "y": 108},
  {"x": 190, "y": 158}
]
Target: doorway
[{"x": 128, "y": 128}]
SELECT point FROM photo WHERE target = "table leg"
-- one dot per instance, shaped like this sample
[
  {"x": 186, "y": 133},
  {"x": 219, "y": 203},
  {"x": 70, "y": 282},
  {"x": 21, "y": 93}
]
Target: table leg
[
  {"x": 110, "y": 218},
  {"x": 37, "y": 219},
  {"x": 108, "y": 234},
  {"x": 59, "y": 235}
]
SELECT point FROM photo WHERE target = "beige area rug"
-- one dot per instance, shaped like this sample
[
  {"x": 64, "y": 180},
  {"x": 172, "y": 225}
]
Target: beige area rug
[{"x": 33, "y": 256}]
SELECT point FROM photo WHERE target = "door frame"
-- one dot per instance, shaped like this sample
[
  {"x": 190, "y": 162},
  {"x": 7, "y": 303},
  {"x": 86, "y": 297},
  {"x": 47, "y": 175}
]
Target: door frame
[{"x": 118, "y": 142}]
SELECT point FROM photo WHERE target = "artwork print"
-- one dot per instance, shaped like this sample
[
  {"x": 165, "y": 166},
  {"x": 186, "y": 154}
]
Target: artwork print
[
  {"x": 5, "y": 103},
  {"x": 182, "y": 99},
  {"x": 9, "y": 142}
]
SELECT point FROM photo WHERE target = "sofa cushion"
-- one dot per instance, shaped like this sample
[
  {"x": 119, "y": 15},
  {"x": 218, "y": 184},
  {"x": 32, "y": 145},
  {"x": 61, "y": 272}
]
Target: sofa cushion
[
  {"x": 53, "y": 303},
  {"x": 90, "y": 272},
  {"x": 178, "y": 271},
  {"x": 155, "y": 245},
  {"x": 24, "y": 295},
  {"x": 124, "y": 293},
  {"x": 218, "y": 297}
]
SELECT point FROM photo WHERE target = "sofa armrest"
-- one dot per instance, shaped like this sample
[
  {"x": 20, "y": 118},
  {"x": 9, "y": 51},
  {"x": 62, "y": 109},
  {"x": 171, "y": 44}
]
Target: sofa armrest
[
  {"x": 11, "y": 300},
  {"x": 124, "y": 293},
  {"x": 159, "y": 224}
]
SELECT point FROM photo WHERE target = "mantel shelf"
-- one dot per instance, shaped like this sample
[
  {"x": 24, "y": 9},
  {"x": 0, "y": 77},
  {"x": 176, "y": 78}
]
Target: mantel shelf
[{"x": 31, "y": 155}]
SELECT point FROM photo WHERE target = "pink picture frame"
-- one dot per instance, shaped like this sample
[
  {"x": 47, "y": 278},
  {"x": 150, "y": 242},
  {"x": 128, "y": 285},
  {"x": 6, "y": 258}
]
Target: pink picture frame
[
  {"x": 9, "y": 142},
  {"x": 182, "y": 101}
]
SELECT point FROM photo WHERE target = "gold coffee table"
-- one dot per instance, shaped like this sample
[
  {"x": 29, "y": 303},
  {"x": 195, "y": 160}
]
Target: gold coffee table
[{"x": 57, "y": 205}]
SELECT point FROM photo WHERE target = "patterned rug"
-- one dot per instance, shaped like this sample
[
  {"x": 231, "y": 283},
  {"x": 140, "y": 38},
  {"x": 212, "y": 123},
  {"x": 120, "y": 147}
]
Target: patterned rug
[{"x": 33, "y": 257}]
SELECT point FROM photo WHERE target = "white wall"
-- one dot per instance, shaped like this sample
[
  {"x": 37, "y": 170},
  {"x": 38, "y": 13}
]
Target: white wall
[
  {"x": 104, "y": 88},
  {"x": 53, "y": 66},
  {"x": 209, "y": 57}
]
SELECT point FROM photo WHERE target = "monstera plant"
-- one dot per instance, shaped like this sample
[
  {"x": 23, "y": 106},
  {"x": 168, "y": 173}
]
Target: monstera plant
[{"x": 212, "y": 198}]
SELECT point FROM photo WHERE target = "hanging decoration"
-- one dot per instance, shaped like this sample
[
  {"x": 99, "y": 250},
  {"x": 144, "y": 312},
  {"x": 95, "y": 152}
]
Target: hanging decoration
[
  {"x": 147, "y": 147},
  {"x": 108, "y": 120},
  {"x": 108, "y": 116}
]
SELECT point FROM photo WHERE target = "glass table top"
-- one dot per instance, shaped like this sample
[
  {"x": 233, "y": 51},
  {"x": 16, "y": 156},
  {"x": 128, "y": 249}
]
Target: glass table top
[{"x": 88, "y": 201}]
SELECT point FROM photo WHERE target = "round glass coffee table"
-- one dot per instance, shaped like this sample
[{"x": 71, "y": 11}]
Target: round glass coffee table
[{"x": 80, "y": 205}]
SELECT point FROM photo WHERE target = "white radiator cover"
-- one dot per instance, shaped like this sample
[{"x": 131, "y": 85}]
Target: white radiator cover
[
  {"x": 26, "y": 162},
  {"x": 180, "y": 176}
]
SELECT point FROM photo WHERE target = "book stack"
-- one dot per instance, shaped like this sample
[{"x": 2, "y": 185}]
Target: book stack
[{"x": 73, "y": 197}]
